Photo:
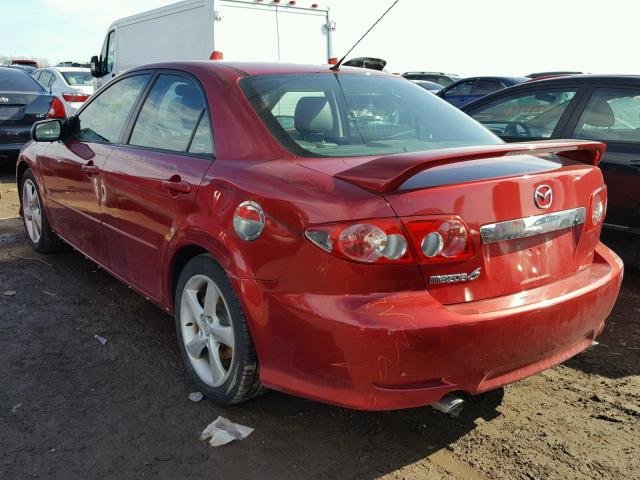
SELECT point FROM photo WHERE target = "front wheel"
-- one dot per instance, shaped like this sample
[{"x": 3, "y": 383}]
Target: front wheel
[
  {"x": 213, "y": 335},
  {"x": 36, "y": 223}
]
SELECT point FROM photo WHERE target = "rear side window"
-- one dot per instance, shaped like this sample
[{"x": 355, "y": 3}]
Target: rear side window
[
  {"x": 528, "y": 115},
  {"x": 15, "y": 80},
  {"x": 463, "y": 88},
  {"x": 485, "y": 87},
  {"x": 46, "y": 78},
  {"x": 170, "y": 115},
  {"x": 103, "y": 120},
  {"x": 612, "y": 115}
]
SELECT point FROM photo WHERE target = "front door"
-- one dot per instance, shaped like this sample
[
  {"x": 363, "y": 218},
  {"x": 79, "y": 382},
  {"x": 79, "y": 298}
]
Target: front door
[
  {"x": 151, "y": 182},
  {"x": 72, "y": 168}
]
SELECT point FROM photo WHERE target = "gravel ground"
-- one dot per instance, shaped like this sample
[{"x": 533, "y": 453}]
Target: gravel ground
[{"x": 72, "y": 408}]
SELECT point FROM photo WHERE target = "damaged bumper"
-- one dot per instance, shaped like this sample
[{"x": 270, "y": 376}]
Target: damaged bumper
[{"x": 402, "y": 350}]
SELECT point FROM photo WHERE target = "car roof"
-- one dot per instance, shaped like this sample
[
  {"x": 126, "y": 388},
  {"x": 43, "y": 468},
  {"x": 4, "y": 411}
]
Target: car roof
[
  {"x": 567, "y": 80},
  {"x": 257, "y": 68}
]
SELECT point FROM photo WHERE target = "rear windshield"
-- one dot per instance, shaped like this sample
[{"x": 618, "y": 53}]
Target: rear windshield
[
  {"x": 348, "y": 115},
  {"x": 79, "y": 79},
  {"x": 15, "y": 80}
]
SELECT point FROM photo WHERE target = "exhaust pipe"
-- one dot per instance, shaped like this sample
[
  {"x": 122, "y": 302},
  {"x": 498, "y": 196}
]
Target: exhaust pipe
[
  {"x": 450, "y": 404},
  {"x": 593, "y": 345}
]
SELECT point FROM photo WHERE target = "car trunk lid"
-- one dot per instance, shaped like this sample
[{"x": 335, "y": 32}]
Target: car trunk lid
[
  {"x": 18, "y": 111},
  {"x": 492, "y": 189}
]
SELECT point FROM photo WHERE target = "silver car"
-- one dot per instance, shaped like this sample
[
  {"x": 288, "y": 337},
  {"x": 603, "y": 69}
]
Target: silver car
[{"x": 72, "y": 85}]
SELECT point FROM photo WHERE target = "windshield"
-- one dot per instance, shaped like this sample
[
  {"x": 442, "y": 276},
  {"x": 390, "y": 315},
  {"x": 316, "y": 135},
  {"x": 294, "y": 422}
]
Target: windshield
[
  {"x": 77, "y": 79},
  {"x": 15, "y": 80},
  {"x": 346, "y": 115}
]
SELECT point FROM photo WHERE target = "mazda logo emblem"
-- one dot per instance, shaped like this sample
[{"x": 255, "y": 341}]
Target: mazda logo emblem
[{"x": 543, "y": 197}]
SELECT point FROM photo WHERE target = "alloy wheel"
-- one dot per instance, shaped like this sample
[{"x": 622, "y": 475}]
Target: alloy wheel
[
  {"x": 207, "y": 332},
  {"x": 31, "y": 210}
]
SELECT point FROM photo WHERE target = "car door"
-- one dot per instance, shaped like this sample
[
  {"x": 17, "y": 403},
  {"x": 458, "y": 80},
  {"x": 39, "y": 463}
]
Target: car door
[
  {"x": 456, "y": 94},
  {"x": 72, "y": 167},
  {"x": 611, "y": 114},
  {"x": 151, "y": 182},
  {"x": 537, "y": 114}
]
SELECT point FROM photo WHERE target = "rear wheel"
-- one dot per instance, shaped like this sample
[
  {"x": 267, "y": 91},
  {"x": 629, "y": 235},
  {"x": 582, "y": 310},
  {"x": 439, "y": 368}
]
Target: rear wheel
[
  {"x": 36, "y": 223},
  {"x": 213, "y": 335}
]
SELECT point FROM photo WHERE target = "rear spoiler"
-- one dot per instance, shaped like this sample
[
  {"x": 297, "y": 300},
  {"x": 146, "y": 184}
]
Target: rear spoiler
[{"x": 386, "y": 174}]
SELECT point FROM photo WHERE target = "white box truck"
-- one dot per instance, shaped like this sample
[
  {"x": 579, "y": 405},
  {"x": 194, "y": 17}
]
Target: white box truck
[{"x": 258, "y": 30}]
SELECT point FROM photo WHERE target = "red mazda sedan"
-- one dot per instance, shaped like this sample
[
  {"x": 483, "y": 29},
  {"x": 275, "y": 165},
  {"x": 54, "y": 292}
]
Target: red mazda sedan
[{"x": 340, "y": 235}]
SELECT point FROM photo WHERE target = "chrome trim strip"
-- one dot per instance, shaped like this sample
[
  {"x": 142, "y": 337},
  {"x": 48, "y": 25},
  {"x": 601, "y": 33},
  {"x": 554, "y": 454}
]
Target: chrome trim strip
[{"x": 530, "y": 226}]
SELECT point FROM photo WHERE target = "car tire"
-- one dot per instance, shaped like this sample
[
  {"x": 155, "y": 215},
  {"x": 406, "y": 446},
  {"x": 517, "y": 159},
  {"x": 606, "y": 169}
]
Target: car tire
[
  {"x": 208, "y": 317},
  {"x": 34, "y": 217}
]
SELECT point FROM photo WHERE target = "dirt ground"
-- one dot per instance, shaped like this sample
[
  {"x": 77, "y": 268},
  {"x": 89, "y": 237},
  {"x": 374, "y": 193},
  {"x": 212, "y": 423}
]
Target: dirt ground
[{"x": 71, "y": 408}]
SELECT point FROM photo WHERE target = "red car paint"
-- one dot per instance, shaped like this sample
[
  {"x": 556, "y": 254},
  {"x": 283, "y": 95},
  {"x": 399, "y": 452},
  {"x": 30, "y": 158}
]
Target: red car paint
[{"x": 362, "y": 336}]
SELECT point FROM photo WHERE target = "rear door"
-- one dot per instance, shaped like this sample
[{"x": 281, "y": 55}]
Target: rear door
[
  {"x": 611, "y": 114},
  {"x": 150, "y": 182},
  {"x": 72, "y": 173}
]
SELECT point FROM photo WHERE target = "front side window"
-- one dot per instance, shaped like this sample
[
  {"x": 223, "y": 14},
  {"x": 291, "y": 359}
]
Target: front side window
[
  {"x": 111, "y": 48},
  {"x": 103, "y": 120},
  {"x": 526, "y": 115},
  {"x": 336, "y": 115},
  {"x": 612, "y": 115},
  {"x": 170, "y": 114}
]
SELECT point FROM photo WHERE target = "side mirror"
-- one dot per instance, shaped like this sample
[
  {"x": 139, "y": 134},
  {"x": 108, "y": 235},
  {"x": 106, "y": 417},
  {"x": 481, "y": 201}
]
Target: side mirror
[
  {"x": 96, "y": 66},
  {"x": 47, "y": 130}
]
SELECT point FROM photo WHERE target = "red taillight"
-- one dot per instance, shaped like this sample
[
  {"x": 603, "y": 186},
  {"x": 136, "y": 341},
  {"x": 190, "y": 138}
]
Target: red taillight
[
  {"x": 56, "y": 109},
  {"x": 75, "y": 97},
  {"x": 366, "y": 241},
  {"x": 434, "y": 239},
  {"x": 216, "y": 55},
  {"x": 442, "y": 238},
  {"x": 597, "y": 208},
  {"x": 333, "y": 61}
]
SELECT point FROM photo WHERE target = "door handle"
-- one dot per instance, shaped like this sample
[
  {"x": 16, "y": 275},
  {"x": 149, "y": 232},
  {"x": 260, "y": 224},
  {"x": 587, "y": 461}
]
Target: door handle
[
  {"x": 90, "y": 169},
  {"x": 176, "y": 186}
]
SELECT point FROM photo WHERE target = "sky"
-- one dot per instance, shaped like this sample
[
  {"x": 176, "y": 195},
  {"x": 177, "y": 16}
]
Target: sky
[{"x": 466, "y": 37}]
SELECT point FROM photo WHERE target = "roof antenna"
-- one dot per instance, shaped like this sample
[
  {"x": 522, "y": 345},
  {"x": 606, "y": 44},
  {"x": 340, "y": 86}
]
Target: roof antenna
[{"x": 337, "y": 65}]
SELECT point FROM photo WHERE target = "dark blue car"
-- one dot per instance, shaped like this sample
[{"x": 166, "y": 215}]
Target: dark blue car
[{"x": 469, "y": 89}]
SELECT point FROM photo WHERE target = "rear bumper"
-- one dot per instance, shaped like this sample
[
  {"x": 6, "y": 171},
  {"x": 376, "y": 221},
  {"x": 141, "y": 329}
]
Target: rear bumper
[{"x": 402, "y": 350}]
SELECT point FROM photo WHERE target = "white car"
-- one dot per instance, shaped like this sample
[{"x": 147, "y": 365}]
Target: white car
[{"x": 72, "y": 85}]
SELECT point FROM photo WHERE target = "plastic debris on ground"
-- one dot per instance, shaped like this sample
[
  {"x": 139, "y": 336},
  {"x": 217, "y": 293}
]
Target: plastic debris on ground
[
  {"x": 9, "y": 293},
  {"x": 196, "y": 396},
  {"x": 222, "y": 431},
  {"x": 102, "y": 340}
]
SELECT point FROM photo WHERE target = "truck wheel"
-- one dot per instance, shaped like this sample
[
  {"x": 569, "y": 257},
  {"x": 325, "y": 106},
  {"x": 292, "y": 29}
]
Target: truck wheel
[
  {"x": 213, "y": 335},
  {"x": 34, "y": 216}
]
